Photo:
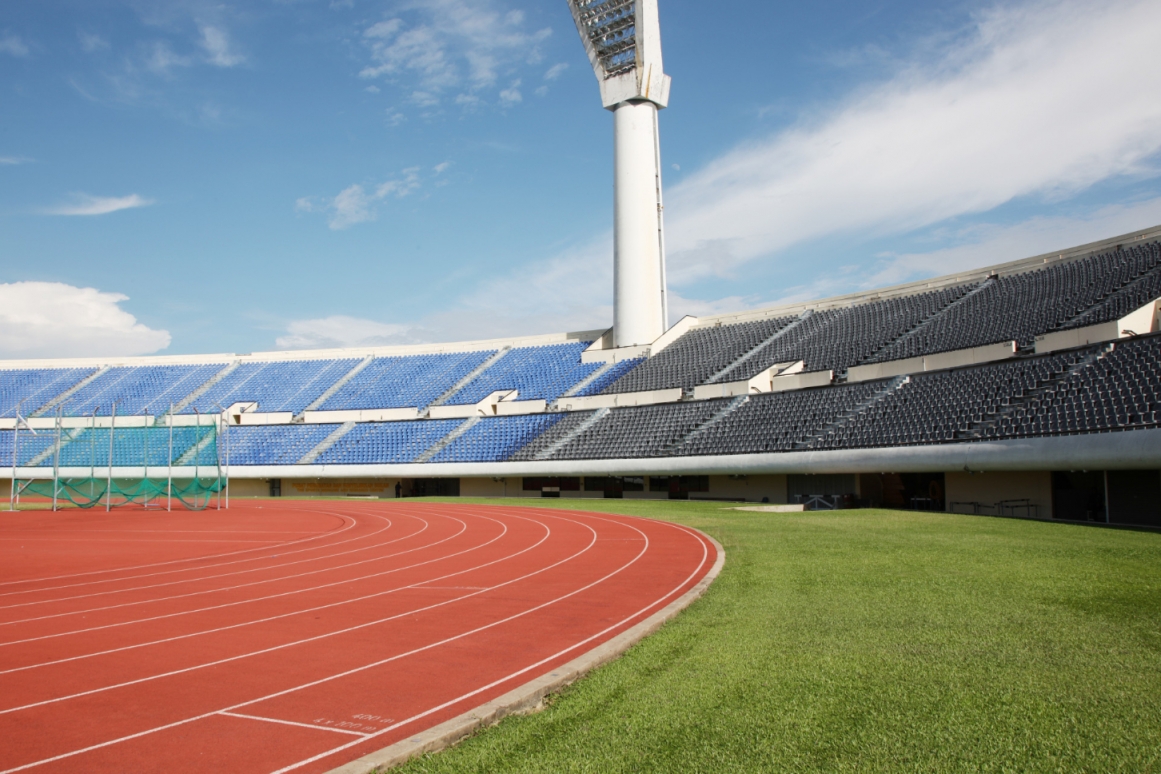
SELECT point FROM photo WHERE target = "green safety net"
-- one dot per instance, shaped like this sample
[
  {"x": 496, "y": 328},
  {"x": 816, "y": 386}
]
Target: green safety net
[
  {"x": 195, "y": 494},
  {"x": 149, "y": 448}
]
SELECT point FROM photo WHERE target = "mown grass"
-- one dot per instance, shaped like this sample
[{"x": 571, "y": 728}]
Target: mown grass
[{"x": 870, "y": 641}]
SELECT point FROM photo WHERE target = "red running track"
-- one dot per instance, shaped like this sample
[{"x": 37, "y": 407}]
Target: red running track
[{"x": 298, "y": 637}]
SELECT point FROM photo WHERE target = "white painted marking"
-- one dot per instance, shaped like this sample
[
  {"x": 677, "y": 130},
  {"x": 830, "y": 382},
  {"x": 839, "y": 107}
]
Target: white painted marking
[{"x": 292, "y": 723}]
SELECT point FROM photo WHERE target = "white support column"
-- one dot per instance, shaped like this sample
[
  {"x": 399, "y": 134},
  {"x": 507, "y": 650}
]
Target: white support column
[{"x": 639, "y": 288}]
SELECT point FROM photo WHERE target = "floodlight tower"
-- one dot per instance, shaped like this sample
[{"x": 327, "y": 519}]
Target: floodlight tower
[{"x": 623, "y": 41}]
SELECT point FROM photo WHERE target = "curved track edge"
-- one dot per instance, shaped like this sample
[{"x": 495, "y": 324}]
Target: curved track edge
[{"x": 528, "y": 697}]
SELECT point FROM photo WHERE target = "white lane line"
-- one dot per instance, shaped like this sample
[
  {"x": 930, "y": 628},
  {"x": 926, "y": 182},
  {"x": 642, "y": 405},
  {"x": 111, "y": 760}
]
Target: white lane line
[
  {"x": 295, "y": 612},
  {"x": 221, "y": 589},
  {"x": 200, "y": 578},
  {"x": 502, "y": 680},
  {"x": 119, "y": 541},
  {"x": 251, "y": 600},
  {"x": 355, "y": 539},
  {"x": 177, "y": 723},
  {"x": 433, "y": 710},
  {"x": 305, "y": 640},
  {"x": 318, "y": 536},
  {"x": 292, "y": 723}
]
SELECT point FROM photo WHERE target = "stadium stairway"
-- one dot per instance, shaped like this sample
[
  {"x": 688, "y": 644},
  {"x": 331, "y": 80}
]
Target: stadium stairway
[
  {"x": 573, "y": 433},
  {"x": 330, "y": 391},
  {"x": 852, "y": 416},
  {"x": 71, "y": 391},
  {"x": 721, "y": 375},
  {"x": 204, "y": 388},
  {"x": 446, "y": 441},
  {"x": 464, "y": 382},
  {"x": 330, "y": 440}
]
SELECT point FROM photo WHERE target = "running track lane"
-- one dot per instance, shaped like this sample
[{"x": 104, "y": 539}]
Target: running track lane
[{"x": 299, "y": 637}]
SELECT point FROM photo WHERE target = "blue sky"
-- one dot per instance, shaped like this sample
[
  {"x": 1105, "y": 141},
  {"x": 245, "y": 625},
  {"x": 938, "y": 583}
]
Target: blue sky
[{"x": 180, "y": 177}]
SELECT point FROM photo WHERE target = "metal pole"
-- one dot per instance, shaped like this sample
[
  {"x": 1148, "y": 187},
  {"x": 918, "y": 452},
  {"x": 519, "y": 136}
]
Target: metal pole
[
  {"x": 56, "y": 460},
  {"x": 93, "y": 455},
  {"x": 227, "y": 423},
  {"x": 169, "y": 463},
  {"x": 15, "y": 452},
  {"x": 145, "y": 459},
  {"x": 197, "y": 454},
  {"x": 218, "y": 455},
  {"x": 109, "y": 481}
]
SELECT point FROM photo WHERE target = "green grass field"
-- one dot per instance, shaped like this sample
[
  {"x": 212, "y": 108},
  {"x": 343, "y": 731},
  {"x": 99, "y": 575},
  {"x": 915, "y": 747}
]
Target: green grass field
[{"x": 870, "y": 640}]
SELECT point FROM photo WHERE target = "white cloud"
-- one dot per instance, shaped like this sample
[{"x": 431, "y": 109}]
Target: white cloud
[
  {"x": 51, "y": 319},
  {"x": 84, "y": 204},
  {"x": 511, "y": 95},
  {"x": 11, "y": 44},
  {"x": 344, "y": 331},
  {"x": 990, "y": 244},
  {"x": 161, "y": 59},
  {"x": 555, "y": 71},
  {"x": 91, "y": 42},
  {"x": 354, "y": 205},
  {"x": 440, "y": 168},
  {"x": 440, "y": 45},
  {"x": 216, "y": 43},
  {"x": 1044, "y": 99},
  {"x": 13, "y": 160}
]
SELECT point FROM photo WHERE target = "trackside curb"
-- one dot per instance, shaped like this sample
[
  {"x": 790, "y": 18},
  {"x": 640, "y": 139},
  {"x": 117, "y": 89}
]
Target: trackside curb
[{"x": 528, "y": 696}]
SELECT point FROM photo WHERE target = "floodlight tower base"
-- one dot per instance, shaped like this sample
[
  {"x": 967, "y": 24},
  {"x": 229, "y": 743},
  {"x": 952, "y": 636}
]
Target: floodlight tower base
[{"x": 640, "y": 312}]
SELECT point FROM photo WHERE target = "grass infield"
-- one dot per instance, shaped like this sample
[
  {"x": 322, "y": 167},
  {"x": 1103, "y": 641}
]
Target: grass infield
[{"x": 869, "y": 640}]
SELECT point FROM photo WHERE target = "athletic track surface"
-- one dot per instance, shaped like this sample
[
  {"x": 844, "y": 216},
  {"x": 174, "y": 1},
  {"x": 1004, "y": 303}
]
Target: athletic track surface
[{"x": 300, "y": 636}]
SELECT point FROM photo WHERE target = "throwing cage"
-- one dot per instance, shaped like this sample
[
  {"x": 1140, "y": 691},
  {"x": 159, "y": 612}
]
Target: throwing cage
[{"x": 153, "y": 462}]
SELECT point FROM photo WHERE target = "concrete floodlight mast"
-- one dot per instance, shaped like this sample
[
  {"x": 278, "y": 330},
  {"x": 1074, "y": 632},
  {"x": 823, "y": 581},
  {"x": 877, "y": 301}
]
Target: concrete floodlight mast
[{"x": 623, "y": 41}]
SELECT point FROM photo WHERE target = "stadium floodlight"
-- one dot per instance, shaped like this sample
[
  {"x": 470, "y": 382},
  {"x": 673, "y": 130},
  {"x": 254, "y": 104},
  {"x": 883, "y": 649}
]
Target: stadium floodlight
[{"x": 623, "y": 41}]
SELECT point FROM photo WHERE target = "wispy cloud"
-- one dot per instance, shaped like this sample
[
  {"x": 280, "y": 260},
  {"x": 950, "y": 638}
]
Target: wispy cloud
[
  {"x": 161, "y": 59},
  {"x": 91, "y": 42},
  {"x": 345, "y": 331},
  {"x": 14, "y": 160},
  {"x": 216, "y": 43},
  {"x": 355, "y": 204},
  {"x": 12, "y": 44},
  {"x": 1044, "y": 99},
  {"x": 438, "y": 46},
  {"x": 52, "y": 319},
  {"x": 84, "y": 204},
  {"x": 555, "y": 71}
]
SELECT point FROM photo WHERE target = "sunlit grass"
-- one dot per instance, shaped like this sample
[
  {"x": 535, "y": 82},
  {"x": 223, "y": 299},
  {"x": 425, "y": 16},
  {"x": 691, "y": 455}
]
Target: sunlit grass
[{"x": 870, "y": 640}]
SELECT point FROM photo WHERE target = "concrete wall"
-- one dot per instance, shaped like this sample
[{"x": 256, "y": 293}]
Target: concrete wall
[
  {"x": 991, "y": 487},
  {"x": 338, "y": 487},
  {"x": 749, "y": 488}
]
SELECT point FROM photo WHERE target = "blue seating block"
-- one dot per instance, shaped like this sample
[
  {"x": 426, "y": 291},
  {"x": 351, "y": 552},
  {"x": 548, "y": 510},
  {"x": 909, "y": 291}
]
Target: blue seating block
[
  {"x": 537, "y": 372},
  {"x": 32, "y": 388},
  {"x": 495, "y": 439},
  {"x": 276, "y": 386},
  {"x": 401, "y": 382},
  {"x": 386, "y": 442}
]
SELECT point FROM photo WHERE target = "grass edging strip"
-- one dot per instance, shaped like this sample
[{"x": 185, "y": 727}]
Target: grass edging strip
[{"x": 529, "y": 696}]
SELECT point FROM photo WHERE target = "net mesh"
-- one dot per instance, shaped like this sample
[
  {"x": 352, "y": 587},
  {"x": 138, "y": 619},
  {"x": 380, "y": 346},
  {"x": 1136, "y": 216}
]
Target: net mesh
[{"x": 103, "y": 451}]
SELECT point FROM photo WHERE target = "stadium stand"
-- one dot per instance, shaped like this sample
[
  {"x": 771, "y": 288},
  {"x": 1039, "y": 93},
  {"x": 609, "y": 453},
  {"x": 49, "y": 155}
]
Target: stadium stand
[
  {"x": 138, "y": 390},
  {"x": 495, "y": 438},
  {"x": 131, "y": 445},
  {"x": 400, "y": 382},
  {"x": 387, "y": 442},
  {"x": 538, "y": 373},
  {"x": 31, "y": 446},
  {"x": 1100, "y": 382},
  {"x": 30, "y": 389},
  {"x": 1022, "y": 306},
  {"x": 274, "y": 444},
  {"x": 276, "y": 386}
]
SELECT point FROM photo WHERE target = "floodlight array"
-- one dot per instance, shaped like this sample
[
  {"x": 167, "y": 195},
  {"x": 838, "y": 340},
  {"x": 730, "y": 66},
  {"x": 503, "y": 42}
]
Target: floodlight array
[{"x": 611, "y": 26}]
